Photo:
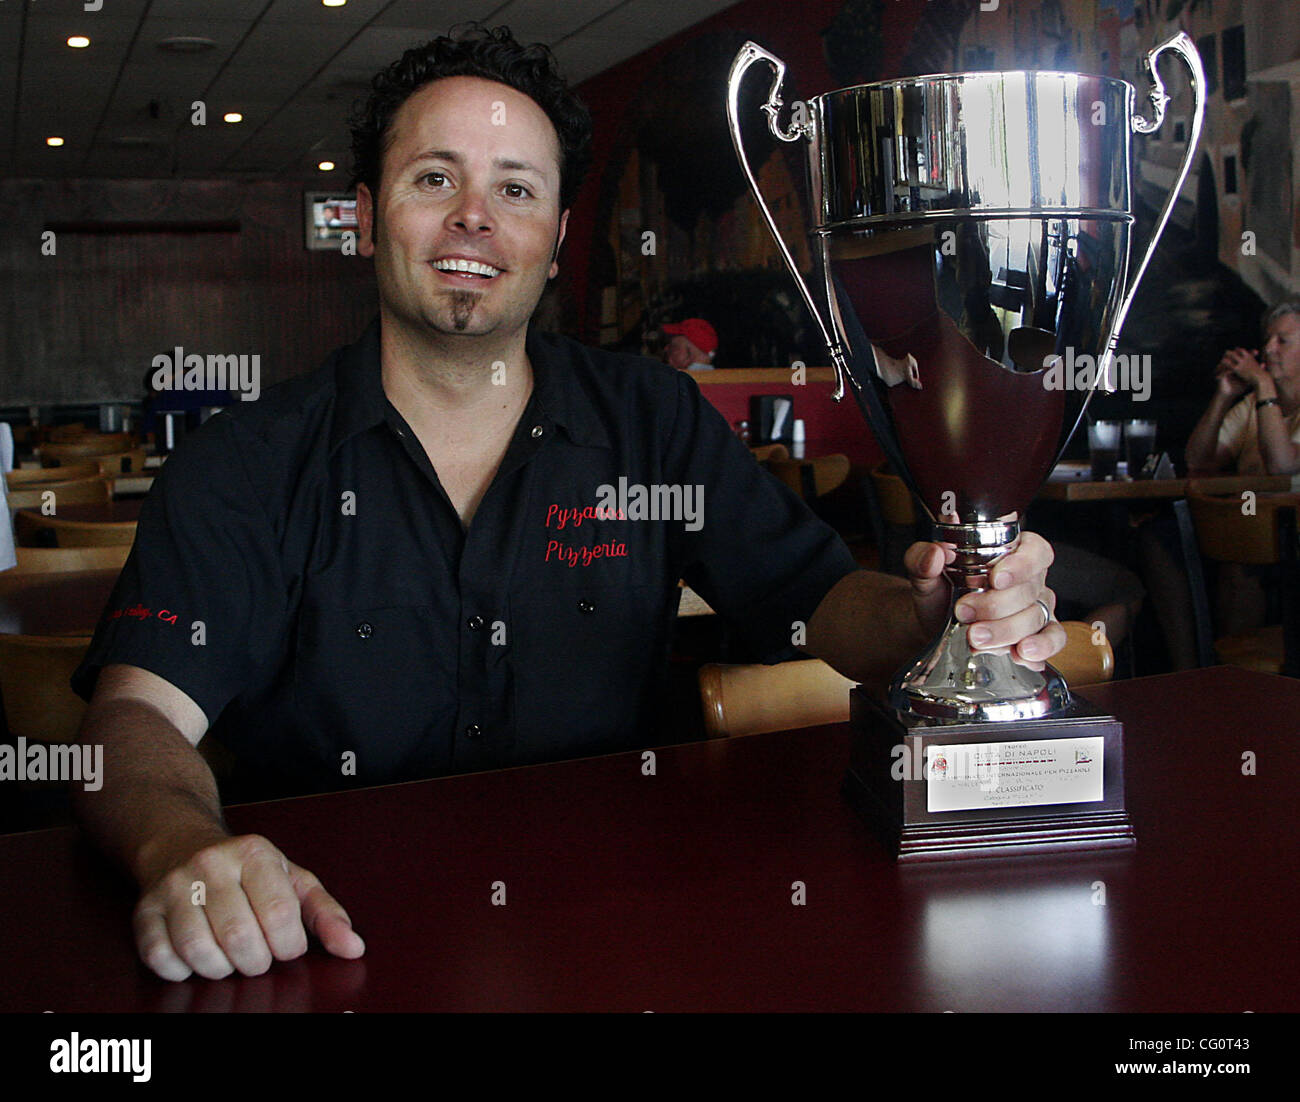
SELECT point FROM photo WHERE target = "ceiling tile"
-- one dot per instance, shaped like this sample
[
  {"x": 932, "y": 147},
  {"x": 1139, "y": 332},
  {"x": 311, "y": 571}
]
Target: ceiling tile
[
  {"x": 268, "y": 82},
  {"x": 436, "y": 18},
  {"x": 313, "y": 12},
  {"x": 183, "y": 9},
  {"x": 294, "y": 68},
  {"x": 546, "y": 21},
  {"x": 271, "y": 44},
  {"x": 376, "y": 47}
]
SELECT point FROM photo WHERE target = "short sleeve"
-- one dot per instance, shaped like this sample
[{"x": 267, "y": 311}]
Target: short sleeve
[
  {"x": 759, "y": 555},
  {"x": 201, "y": 601},
  {"x": 1233, "y": 431}
]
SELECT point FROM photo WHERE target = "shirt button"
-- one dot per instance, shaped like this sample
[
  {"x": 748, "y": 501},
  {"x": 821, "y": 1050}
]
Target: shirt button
[
  {"x": 474, "y": 623},
  {"x": 473, "y": 731},
  {"x": 586, "y": 606},
  {"x": 365, "y": 631},
  {"x": 537, "y": 431}
]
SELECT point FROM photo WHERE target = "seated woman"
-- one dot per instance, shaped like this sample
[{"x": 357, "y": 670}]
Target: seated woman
[
  {"x": 1260, "y": 434},
  {"x": 1252, "y": 426}
]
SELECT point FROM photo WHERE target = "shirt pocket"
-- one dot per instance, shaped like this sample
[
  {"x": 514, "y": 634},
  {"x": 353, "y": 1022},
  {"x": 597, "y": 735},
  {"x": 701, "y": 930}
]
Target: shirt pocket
[
  {"x": 379, "y": 682},
  {"x": 587, "y": 662}
]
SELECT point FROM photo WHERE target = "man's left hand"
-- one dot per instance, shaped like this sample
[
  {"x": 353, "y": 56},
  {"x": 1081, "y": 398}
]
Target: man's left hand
[{"x": 1006, "y": 616}]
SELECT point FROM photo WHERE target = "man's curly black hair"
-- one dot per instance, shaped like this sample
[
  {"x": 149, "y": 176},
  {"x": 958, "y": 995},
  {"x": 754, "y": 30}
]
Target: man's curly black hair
[{"x": 475, "y": 51}]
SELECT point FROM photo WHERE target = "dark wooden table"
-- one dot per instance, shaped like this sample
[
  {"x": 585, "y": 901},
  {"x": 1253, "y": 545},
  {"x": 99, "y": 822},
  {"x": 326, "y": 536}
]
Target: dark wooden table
[
  {"x": 68, "y": 603},
  {"x": 1162, "y": 489},
  {"x": 674, "y": 891}
]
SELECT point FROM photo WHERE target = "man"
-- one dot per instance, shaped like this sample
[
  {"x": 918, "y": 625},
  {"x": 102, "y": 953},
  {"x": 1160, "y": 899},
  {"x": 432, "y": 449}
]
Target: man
[
  {"x": 433, "y": 555},
  {"x": 691, "y": 345}
]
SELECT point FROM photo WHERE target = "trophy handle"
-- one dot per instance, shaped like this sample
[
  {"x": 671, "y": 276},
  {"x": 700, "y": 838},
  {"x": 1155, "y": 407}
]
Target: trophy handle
[
  {"x": 751, "y": 53},
  {"x": 1182, "y": 45}
]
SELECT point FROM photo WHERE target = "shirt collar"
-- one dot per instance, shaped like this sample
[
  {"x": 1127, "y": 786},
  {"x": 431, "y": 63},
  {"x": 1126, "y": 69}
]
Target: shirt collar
[{"x": 558, "y": 393}]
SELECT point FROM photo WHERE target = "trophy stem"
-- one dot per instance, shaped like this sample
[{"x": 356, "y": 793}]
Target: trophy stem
[{"x": 953, "y": 683}]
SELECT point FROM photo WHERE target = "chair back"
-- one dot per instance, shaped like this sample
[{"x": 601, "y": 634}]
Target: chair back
[
  {"x": 1226, "y": 532},
  {"x": 754, "y": 699},
  {"x": 64, "y": 560},
  {"x": 65, "y": 472},
  {"x": 896, "y": 504},
  {"x": 1223, "y": 529},
  {"x": 1087, "y": 657},
  {"x": 812, "y": 478},
  {"x": 35, "y": 671},
  {"x": 63, "y": 433},
  {"x": 38, "y": 531},
  {"x": 91, "y": 444},
  {"x": 77, "y": 491},
  {"x": 124, "y": 462},
  {"x": 765, "y": 452}
]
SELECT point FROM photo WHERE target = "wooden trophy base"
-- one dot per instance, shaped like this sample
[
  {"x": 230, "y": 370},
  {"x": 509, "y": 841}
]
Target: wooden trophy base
[{"x": 966, "y": 790}]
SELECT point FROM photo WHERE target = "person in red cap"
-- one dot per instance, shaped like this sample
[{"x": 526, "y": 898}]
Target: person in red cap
[{"x": 691, "y": 344}]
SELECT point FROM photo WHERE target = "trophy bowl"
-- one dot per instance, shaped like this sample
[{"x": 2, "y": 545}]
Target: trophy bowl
[{"x": 970, "y": 235}]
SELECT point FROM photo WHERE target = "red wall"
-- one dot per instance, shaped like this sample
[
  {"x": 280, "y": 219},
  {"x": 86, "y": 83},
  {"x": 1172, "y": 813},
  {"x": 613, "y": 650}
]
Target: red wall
[{"x": 833, "y": 428}]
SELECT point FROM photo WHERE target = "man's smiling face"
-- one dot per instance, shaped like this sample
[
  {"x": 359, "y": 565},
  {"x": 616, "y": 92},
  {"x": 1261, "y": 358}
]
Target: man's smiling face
[{"x": 467, "y": 221}]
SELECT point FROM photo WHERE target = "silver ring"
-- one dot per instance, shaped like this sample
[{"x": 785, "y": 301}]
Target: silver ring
[{"x": 1047, "y": 612}]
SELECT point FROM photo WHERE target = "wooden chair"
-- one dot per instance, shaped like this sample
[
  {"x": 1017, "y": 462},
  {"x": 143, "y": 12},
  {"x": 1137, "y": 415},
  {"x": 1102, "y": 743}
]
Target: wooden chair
[
  {"x": 897, "y": 521},
  {"x": 812, "y": 478},
  {"x": 1216, "y": 528},
  {"x": 77, "y": 491},
  {"x": 896, "y": 503},
  {"x": 1083, "y": 660},
  {"x": 765, "y": 452},
  {"x": 83, "y": 447},
  {"x": 63, "y": 433},
  {"x": 116, "y": 463},
  {"x": 62, "y": 560},
  {"x": 66, "y": 472},
  {"x": 31, "y": 531},
  {"x": 754, "y": 699},
  {"x": 34, "y": 675}
]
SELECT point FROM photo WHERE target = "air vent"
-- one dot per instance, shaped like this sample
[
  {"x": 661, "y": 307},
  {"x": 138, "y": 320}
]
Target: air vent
[{"x": 186, "y": 44}]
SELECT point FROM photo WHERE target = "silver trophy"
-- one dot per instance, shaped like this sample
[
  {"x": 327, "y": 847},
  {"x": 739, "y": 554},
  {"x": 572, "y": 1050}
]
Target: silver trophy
[{"x": 970, "y": 234}]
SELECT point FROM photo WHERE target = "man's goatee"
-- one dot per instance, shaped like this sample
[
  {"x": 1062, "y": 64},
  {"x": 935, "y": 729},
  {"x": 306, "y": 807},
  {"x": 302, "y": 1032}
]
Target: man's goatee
[{"x": 462, "y": 308}]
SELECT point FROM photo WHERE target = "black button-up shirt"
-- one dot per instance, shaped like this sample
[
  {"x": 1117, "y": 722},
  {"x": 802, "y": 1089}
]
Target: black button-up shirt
[{"x": 300, "y": 572}]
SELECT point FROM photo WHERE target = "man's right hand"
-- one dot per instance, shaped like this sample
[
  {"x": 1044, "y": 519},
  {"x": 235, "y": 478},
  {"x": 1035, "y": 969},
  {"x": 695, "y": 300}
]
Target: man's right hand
[{"x": 236, "y": 905}]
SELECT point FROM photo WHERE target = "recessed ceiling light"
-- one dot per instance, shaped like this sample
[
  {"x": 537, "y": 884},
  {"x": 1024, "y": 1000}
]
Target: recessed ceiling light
[
  {"x": 53, "y": 141},
  {"x": 232, "y": 116},
  {"x": 186, "y": 44},
  {"x": 326, "y": 166},
  {"x": 78, "y": 41},
  {"x": 333, "y": 3}
]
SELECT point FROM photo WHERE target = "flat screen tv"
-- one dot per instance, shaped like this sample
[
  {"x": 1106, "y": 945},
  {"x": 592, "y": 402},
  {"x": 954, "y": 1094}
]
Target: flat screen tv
[{"x": 330, "y": 214}]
